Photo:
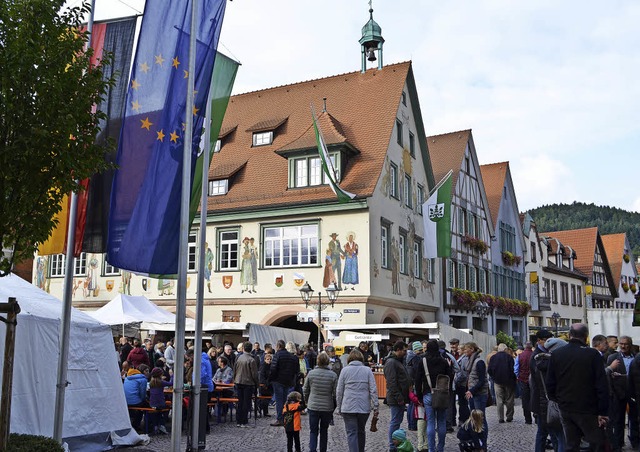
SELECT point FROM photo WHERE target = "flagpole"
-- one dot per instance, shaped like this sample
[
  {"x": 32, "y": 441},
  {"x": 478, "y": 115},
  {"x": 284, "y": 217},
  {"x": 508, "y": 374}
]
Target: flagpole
[
  {"x": 200, "y": 287},
  {"x": 65, "y": 320},
  {"x": 181, "y": 297}
]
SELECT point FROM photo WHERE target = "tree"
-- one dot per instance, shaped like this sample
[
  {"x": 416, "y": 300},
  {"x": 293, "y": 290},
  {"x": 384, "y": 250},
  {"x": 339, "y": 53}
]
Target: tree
[{"x": 47, "y": 126}]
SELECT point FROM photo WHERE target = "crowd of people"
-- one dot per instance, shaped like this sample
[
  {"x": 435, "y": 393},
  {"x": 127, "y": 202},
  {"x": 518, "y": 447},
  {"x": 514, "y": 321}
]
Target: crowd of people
[{"x": 581, "y": 397}]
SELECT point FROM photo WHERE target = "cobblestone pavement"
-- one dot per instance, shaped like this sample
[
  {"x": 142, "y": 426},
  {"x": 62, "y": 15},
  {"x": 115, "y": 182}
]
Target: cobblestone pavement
[{"x": 227, "y": 437}]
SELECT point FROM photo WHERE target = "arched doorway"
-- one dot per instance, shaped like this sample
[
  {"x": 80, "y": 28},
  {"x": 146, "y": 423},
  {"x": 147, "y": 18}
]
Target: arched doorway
[{"x": 292, "y": 322}]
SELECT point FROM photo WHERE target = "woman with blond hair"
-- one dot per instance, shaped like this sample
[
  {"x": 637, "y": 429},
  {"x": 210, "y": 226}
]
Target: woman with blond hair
[
  {"x": 356, "y": 395},
  {"x": 472, "y": 435}
]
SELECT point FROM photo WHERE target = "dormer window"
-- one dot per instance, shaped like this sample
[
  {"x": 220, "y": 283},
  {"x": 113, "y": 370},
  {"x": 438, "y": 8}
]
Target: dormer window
[
  {"x": 218, "y": 187},
  {"x": 263, "y": 138},
  {"x": 217, "y": 147},
  {"x": 307, "y": 171}
]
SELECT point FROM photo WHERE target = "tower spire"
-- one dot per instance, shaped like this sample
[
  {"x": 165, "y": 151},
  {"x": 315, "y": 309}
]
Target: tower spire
[{"x": 371, "y": 41}]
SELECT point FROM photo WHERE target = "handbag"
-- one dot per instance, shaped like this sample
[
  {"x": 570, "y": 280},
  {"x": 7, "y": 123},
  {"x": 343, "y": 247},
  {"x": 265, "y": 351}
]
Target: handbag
[
  {"x": 490, "y": 401},
  {"x": 553, "y": 410},
  {"x": 440, "y": 393}
]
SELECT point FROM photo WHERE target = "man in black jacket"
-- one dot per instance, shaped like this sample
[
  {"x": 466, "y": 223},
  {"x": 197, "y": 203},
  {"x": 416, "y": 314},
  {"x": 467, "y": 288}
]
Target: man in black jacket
[
  {"x": 284, "y": 368},
  {"x": 619, "y": 363},
  {"x": 397, "y": 387},
  {"x": 501, "y": 371},
  {"x": 576, "y": 380}
]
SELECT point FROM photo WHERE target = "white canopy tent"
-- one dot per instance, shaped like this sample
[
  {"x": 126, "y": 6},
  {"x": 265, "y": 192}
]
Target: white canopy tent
[
  {"x": 125, "y": 309},
  {"x": 94, "y": 404}
]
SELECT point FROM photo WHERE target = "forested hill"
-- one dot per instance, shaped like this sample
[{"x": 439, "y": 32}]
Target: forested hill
[{"x": 610, "y": 220}]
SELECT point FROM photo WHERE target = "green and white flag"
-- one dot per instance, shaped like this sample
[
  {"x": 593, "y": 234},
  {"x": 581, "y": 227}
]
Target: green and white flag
[
  {"x": 437, "y": 220},
  {"x": 327, "y": 164}
]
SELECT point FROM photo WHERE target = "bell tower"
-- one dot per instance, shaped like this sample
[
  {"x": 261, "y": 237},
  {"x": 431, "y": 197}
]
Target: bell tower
[{"x": 371, "y": 42}]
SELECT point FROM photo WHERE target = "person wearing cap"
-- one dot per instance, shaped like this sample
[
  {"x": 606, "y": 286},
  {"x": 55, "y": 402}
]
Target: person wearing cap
[
  {"x": 398, "y": 385},
  {"x": 335, "y": 364},
  {"x": 577, "y": 381},
  {"x": 400, "y": 441},
  {"x": 337, "y": 254},
  {"x": 156, "y": 397}
]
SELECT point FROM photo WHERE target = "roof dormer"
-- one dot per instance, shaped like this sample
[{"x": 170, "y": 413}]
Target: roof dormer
[{"x": 264, "y": 132}]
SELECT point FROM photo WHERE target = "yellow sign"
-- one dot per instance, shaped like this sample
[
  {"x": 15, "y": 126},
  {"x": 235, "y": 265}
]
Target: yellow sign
[
  {"x": 533, "y": 277},
  {"x": 588, "y": 289}
]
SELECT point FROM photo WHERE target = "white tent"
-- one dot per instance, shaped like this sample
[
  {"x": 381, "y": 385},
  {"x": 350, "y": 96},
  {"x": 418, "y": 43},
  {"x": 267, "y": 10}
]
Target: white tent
[
  {"x": 125, "y": 309},
  {"x": 94, "y": 401}
]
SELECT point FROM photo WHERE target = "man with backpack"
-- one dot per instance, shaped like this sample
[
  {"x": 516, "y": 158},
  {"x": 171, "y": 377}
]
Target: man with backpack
[{"x": 398, "y": 385}]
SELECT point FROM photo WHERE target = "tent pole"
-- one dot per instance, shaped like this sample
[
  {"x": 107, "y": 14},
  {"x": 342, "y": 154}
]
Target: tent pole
[{"x": 181, "y": 296}]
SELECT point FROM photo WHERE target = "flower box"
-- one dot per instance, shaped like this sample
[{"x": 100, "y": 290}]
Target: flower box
[
  {"x": 633, "y": 288},
  {"x": 476, "y": 244},
  {"x": 625, "y": 287},
  {"x": 509, "y": 259},
  {"x": 466, "y": 299},
  {"x": 626, "y": 258}
]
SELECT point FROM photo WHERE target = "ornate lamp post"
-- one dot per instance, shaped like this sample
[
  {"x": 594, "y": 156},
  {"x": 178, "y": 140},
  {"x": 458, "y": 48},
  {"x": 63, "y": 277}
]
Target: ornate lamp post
[
  {"x": 556, "y": 319},
  {"x": 307, "y": 295},
  {"x": 483, "y": 309}
]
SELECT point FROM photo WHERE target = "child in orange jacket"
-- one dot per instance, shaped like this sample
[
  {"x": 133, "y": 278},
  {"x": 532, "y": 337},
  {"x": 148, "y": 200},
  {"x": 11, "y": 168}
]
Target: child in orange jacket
[{"x": 292, "y": 423}]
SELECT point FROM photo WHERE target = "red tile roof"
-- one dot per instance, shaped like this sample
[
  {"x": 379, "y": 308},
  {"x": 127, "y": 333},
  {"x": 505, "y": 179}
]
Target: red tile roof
[
  {"x": 361, "y": 112},
  {"x": 446, "y": 152},
  {"x": 583, "y": 242},
  {"x": 493, "y": 177},
  {"x": 614, "y": 247}
]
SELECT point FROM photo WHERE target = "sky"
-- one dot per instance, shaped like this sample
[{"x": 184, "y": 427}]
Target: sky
[{"x": 550, "y": 86}]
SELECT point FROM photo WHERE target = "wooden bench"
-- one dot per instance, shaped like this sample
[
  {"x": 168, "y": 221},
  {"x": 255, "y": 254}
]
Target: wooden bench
[
  {"x": 146, "y": 411},
  {"x": 230, "y": 402}
]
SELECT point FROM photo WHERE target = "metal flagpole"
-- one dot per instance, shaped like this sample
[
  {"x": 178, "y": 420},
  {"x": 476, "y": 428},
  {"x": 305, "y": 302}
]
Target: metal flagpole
[
  {"x": 197, "y": 358},
  {"x": 65, "y": 320},
  {"x": 181, "y": 298}
]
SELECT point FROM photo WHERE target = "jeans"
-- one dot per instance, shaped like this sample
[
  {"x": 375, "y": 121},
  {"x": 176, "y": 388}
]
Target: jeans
[
  {"x": 280, "y": 392},
  {"x": 319, "y": 419},
  {"x": 245, "y": 393},
  {"x": 411, "y": 420},
  {"x": 354, "y": 424},
  {"x": 557, "y": 437},
  {"x": 479, "y": 402},
  {"x": 436, "y": 422},
  {"x": 397, "y": 414}
]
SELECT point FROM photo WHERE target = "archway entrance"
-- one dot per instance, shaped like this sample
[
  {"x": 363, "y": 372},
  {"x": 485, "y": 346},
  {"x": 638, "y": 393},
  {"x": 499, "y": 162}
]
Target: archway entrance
[{"x": 293, "y": 323}]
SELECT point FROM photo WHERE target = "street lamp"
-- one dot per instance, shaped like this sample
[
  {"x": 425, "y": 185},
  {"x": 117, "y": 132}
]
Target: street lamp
[
  {"x": 483, "y": 309},
  {"x": 307, "y": 294},
  {"x": 556, "y": 319}
]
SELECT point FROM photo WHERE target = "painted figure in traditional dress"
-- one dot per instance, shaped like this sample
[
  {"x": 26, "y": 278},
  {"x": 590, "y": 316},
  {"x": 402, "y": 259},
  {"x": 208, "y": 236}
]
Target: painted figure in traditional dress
[
  {"x": 350, "y": 275},
  {"x": 91, "y": 283},
  {"x": 395, "y": 267},
  {"x": 337, "y": 253},
  {"x": 126, "y": 282},
  {"x": 329, "y": 277},
  {"x": 41, "y": 273},
  {"x": 208, "y": 265},
  {"x": 245, "y": 269},
  {"x": 253, "y": 259}
]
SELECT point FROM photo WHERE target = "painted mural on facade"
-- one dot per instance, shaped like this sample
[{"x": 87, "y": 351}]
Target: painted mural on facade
[
  {"x": 249, "y": 267},
  {"x": 345, "y": 274}
]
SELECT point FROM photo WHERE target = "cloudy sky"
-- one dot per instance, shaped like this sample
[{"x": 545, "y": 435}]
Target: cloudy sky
[{"x": 550, "y": 86}]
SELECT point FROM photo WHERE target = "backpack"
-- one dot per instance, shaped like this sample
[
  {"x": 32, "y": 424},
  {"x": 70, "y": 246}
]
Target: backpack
[{"x": 439, "y": 393}]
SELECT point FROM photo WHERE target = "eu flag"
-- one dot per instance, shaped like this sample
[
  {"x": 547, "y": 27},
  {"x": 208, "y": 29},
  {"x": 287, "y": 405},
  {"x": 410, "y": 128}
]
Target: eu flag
[{"x": 144, "y": 220}]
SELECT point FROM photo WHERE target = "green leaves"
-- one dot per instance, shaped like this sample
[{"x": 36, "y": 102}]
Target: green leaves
[{"x": 47, "y": 127}]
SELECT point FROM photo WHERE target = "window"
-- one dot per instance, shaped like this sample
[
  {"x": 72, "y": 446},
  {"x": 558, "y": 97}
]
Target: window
[
  {"x": 579, "y": 295},
  {"x": 192, "y": 254},
  {"x": 482, "y": 280},
  {"x": 57, "y": 264},
  {"x": 394, "y": 181},
  {"x": 108, "y": 269},
  {"x": 473, "y": 225},
  {"x": 430, "y": 272},
  {"x": 228, "y": 250},
  {"x": 564, "y": 293},
  {"x": 404, "y": 98},
  {"x": 507, "y": 237},
  {"x": 452, "y": 273},
  {"x": 218, "y": 146},
  {"x": 402, "y": 249},
  {"x": 417, "y": 258},
  {"x": 462, "y": 218},
  {"x": 407, "y": 191},
  {"x": 218, "y": 187},
  {"x": 462, "y": 280},
  {"x": 412, "y": 145},
  {"x": 554, "y": 292},
  {"x": 384, "y": 243},
  {"x": 399, "y": 131},
  {"x": 291, "y": 246},
  {"x": 307, "y": 171},
  {"x": 472, "y": 278},
  {"x": 420, "y": 195},
  {"x": 262, "y": 138},
  {"x": 467, "y": 164},
  {"x": 533, "y": 252},
  {"x": 573, "y": 295}
]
